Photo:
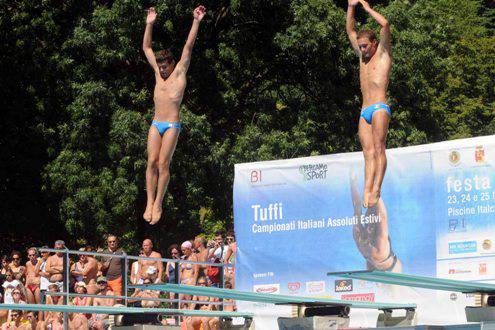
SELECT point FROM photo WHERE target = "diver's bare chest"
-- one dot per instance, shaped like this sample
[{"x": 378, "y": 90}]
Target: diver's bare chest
[{"x": 371, "y": 68}]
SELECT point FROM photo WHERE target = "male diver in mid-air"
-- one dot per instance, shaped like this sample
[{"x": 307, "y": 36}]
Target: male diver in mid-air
[
  {"x": 164, "y": 131},
  {"x": 375, "y": 64}
]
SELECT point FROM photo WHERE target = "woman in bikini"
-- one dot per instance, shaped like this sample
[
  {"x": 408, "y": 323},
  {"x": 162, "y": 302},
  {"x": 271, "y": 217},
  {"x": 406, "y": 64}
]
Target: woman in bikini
[
  {"x": 188, "y": 272},
  {"x": 81, "y": 288}
]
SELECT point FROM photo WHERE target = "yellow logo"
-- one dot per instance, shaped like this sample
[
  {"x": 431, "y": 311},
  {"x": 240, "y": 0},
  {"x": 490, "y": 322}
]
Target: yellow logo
[{"x": 454, "y": 157}]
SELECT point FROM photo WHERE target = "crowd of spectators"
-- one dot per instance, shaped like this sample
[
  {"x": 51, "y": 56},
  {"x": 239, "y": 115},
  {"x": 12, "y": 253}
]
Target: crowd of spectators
[{"x": 39, "y": 277}]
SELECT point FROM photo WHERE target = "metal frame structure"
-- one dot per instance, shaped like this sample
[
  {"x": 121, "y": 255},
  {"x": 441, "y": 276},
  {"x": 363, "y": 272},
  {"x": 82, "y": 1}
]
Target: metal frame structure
[
  {"x": 483, "y": 313},
  {"x": 66, "y": 275}
]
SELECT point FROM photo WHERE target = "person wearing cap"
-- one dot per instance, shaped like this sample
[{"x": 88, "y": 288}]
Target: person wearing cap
[
  {"x": 144, "y": 264},
  {"x": 78, "y": 319},
  {"x": 81, "y": 288},
  {"x": 188, "y": 272},
  {"x": 100, "y": 321}
]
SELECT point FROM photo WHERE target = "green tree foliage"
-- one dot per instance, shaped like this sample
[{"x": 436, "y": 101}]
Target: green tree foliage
[{"x": 269, "y": 80}]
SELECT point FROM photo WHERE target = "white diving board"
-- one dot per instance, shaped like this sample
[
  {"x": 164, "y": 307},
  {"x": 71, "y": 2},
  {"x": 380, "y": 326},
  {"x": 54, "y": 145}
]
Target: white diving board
[
  {"x": 310, "y": 310},
  {"x": 270, "y": 298}
]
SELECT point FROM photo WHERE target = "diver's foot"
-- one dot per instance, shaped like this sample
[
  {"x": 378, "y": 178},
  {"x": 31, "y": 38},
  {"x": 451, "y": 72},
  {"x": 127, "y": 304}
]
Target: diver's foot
[
  {"x": 156, "y": 214},
  {"x": 373, "y": 198},
  {"x": 148, "y": 212},
  {"x": 366, "y": 197}
]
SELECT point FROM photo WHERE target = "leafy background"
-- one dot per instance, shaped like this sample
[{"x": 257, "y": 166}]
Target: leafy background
[{"x": 269, "y": 80}]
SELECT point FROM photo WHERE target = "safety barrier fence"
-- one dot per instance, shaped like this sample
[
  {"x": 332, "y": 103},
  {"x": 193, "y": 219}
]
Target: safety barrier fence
[{"x": 66, "y": 294}]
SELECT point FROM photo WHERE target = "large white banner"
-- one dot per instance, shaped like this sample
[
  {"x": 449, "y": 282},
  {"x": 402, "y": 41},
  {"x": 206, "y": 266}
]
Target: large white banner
[{"x": 298, "y": 219}]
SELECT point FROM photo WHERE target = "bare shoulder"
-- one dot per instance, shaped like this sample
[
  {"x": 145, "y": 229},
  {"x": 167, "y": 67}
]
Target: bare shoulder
[{"x": 155, "y": 254}]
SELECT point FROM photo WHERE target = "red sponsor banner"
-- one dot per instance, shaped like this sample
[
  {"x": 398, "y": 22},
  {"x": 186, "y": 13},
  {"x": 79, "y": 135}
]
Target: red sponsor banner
[
  {"x": 368, "y": 297},
  {"x": 294, "y": 286}
]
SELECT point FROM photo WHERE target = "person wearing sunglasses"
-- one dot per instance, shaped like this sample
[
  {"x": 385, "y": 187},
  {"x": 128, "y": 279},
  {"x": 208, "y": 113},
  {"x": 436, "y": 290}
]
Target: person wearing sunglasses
[
  {"x": 40, "y": 270},
  {"x": 171, "y": 267},
  {"x": 230, "y": 256},
  {"x": 100, "y": 321},
  {"x": 112, "y": 267},
  {"x": 16, "y": 321},
  {"x": 16, "y": 267},
  {"x": 18, "y": 297},
  {"x": 32, "y": 318}
]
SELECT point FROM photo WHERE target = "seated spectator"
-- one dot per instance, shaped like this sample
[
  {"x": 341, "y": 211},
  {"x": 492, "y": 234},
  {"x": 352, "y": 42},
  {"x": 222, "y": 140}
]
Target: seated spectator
[
  {"x": 229, "y": 304},
  {"x": 80, "y": 288},
  {"x": 18, "y": 297},
  {"x": 16, "y": 321},
  {"x": 9, "y": 285},
  {"x": 32, "y": 317},
  {"x": 16, "y": 267},
  {"x": 201, "y": 303},
  {"x": 47, "y": 318},
  {"x": 79, "y": 320},
  {"x": 100, "y": 321},
  {"x": 56, "y": 321},
  {"x": 32, "y": 278},
  {"x": 151, "y": 275}
]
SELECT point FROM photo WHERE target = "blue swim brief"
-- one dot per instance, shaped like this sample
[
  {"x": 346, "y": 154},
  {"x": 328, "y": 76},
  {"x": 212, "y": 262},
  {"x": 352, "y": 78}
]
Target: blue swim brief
[
  {"x": 163, "y": 126},
  {"x": 367, "y": 113}
]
